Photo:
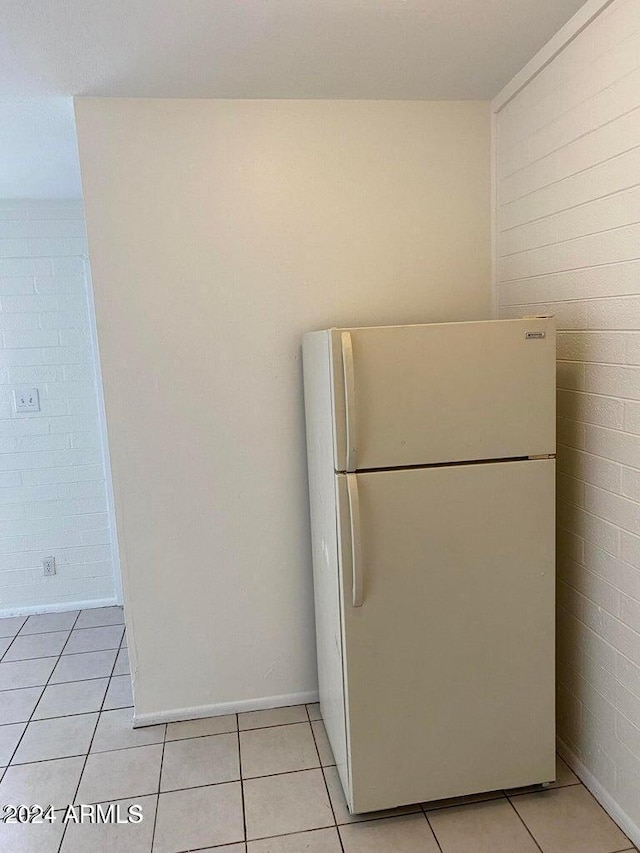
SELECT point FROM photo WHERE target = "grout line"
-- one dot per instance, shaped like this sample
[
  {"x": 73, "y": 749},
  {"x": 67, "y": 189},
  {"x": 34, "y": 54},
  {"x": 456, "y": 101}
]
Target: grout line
[
  {"x": 95, "y": 728},
  {"x": 59, "y": 630},
  {"x": 91, "y": 651},
  {"x": 536, "y": 789},
  {"x": 521, "y": 819},
  {"x": 60, "y": 654},
  {"x": 74, "y": 714},
  {"x": 324, "y": 778},
  {"x": 44, "y": 687},
  {"x": 12, "y": 642},
  {"x": 288, "y": 835},
  {"x": 575, "y": 139},
  {"x": 536, "y": 276},
  {"x": 176, "y": 740},
  {"x": 570, "y": 81},
  {"x": 433, "y": 832},
  {"x": 567, "y": 240},
  {"x": 274, "y": 726},
  {"x": 262, "y": 838},
  {"x": 487, "y": 797},
  {"x": 244, "y": 811},
  {"x": 54, "y": 683},
  {"x": 562, "y": 210},
  {"x": 155, "y": 817},
  {"x": 571, "y": 174}
]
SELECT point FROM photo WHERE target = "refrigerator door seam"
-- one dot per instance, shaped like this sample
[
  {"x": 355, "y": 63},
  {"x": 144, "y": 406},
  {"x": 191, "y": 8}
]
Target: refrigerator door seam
[{"x": 457, "y": 464}]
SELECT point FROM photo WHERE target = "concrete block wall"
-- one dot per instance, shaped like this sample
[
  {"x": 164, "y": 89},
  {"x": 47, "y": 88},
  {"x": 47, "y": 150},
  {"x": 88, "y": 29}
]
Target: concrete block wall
[
  {"x": 568, "y": 243},
  {"x": 53, "y": 499}
]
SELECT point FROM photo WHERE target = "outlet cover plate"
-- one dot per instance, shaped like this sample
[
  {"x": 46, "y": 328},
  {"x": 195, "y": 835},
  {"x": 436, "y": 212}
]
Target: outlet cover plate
[
  {"x": 49, "y": 565},
  {"x": 26, "y": 400}
]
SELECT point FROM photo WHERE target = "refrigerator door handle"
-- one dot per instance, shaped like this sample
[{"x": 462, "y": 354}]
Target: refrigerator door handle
[
  {"x": 349, "y": 400},
  {"x": 356, "y": 552}
]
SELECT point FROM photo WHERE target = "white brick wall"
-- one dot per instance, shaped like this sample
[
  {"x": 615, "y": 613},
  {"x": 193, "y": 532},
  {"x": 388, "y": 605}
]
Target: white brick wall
[
  {"x": 52, "y": 478},
  {"x": 568, "y": 243}
]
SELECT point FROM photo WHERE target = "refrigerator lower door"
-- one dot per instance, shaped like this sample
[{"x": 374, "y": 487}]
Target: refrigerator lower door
[{"x": 449, "y": 660}]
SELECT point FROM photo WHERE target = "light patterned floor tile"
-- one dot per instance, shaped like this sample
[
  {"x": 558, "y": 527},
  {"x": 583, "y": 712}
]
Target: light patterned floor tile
[
  {"x": 200, "y": 807},
  {"x": 115, "y": 731},
  {"x": 488, "y": 827},
  {"x": 121, "y": 774},
  {"x": 119, "y": 694},
  {"x": 292, "y": 802},
  {"x": 16, "y": 706},
  {"x": 114, "y": 838},
  {"x": 57, "y": 738},
  {"x": 315, "y": 841},
  {"x": 200, "y": 761},
  {"x": 341, "y": 810},
  {"x": 43, "y": 782},
  {"x": 272, "y": 717},
  {"x": 322, "y": 742},
  {"x": 26, "y": 673},
  {"x": 199, "y": 817},
  {"x": 30, "y": 837},
  {"x": 122, "y": 666},
  {"x": 94, "y": 639},
  {"x": 9, "y": 737},
  {"x": 100, "y": 616},
  {"x": 10, "y": 626},
  {"x": 280, "y": 749},
  {"x": 406, "y": 834},
  {"x": 36, "y": 646},
  {"x": 73, "y": 697},
  {"x": 84, "y": 666},
  {"x": 206, "y": 726},
  {"x": 569, "y": 820},
  {"x": 45, "y": 622}
]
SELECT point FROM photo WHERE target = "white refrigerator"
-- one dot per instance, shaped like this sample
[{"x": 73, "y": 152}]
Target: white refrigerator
[{"x": 431, "y": 454}]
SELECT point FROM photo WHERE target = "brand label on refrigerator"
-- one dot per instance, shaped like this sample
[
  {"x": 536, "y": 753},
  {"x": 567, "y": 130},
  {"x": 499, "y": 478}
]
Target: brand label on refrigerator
[{"x": 535, "y": 336}]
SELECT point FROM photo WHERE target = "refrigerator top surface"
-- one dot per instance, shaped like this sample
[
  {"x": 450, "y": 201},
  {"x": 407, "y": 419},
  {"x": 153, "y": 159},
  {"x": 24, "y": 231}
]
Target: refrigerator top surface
[{"x": 443, "y": 323}]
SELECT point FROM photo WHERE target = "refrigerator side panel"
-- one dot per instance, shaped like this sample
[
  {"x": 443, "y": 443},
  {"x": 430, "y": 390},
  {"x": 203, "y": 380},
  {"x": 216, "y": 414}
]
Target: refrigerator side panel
[
  {"x": 449, "y": 661},
  {"x": 316, "y": 353}
]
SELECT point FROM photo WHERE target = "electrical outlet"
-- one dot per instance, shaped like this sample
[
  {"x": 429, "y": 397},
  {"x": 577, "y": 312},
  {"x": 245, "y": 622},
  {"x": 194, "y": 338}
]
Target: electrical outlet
[
  {"x": 26, "y": 400},
  {"x": 49, "y": 565}
]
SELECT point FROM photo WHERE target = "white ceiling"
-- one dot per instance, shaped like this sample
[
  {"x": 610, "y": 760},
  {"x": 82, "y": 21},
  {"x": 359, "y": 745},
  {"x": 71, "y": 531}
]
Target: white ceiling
[{"x": 406, "y": 49}]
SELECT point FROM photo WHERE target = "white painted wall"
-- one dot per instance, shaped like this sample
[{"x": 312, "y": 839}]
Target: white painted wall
[
  {"x": 568, "y": 238},
  {"x": 219, "y": 232},
  {"x": 52, "y": 476}
]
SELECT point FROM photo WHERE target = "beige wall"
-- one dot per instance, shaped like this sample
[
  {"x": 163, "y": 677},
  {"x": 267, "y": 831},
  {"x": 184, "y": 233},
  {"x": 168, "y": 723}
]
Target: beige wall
[
  {"x": 568, "y": 169},
  {"x": 219, "y": 232}
]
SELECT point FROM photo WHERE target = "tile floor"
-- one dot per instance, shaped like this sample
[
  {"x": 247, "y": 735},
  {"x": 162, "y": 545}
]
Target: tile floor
[{"x": 260, "y": 782}]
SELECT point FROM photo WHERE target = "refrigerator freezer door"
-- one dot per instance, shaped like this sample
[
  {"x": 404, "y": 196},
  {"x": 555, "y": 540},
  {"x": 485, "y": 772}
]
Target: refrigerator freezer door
[
  {"x": 449, "y": 662},
  {"x": 445, "y": 392}
]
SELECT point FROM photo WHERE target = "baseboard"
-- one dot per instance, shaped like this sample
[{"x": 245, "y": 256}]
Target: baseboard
[
  {"x": 176, "y": 715},
  {"x": 601, "y": 794},
  {"x": 58, "y": 608}
]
